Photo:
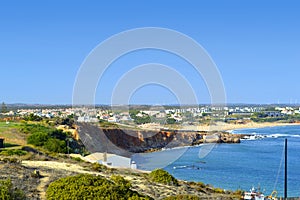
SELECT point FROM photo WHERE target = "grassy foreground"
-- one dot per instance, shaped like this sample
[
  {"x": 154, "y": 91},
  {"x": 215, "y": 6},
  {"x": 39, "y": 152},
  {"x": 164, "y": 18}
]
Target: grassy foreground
[
  {"x": 34, "y": 177},
  {"x": 33, "y": 172}
]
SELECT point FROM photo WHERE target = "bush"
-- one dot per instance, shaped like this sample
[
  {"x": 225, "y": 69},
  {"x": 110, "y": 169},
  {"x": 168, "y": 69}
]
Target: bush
[
  {"x": 49, "y": 138},
  {"x": 77, "y": 159},
  {"x": 219, "y": 190},
  {"x": 198, "y": 184},
  {"x": 98, "y": 167},
  {"x": 86, "y": 186},
  {"x": 38, "y": 138},
  {"x": 11, "y": 152},
  {"x": 8, "y": 192},
  {"x": 119, "y": 180},
  {"x": 56, "y": 145},
  {"x": 139, "y": 120},
  {"x": 162, "y": 176},
  {"x": 33, "y": 128},
  {"x": 33, "y": 117},
  {"x": 171, "y": 121}
]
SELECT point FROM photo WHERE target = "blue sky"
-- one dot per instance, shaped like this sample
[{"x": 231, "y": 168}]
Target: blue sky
[{"x": 255, "y": 45}]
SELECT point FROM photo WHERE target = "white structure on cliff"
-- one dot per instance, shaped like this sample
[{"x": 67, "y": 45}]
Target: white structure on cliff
[{"x": 111, "y": 160}]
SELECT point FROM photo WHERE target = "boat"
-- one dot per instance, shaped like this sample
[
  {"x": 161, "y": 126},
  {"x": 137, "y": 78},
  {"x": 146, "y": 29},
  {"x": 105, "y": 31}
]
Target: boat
[
  {"x": 187, "y": 167},
  {"x": 254, "y": 194}
]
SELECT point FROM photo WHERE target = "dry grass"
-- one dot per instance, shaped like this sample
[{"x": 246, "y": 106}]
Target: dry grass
[
  {"x": 54, "y": 169},
  {"x": 10, "y": 132},
  {"x": 35, "y": 188}
]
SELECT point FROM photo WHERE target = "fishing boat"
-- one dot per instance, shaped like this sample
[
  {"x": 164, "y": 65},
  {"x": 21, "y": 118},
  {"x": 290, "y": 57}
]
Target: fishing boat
[{"x": 255, "y": 194}]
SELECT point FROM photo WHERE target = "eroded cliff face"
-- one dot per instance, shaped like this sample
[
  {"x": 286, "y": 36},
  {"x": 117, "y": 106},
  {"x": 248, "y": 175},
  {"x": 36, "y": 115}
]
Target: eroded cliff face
[
  {"x": 126, "y": 142},
  {"x": 141, "y": 141}
]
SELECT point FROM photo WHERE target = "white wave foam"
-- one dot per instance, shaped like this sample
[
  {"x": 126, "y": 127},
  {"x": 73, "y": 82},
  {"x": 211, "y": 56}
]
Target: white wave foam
[
  {"x": 255, "y": 136},
  {"x": 278, "y": 135}
]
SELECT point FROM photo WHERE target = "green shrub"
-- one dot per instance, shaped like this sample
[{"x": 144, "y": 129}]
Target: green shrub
[
  {"x": 98, "y": 167},
  {"x": 11, "y": 152},
  {"x": 8, "y": 192},
  {"x": 162, "y": 176},
  {"x": 33, "y": 117},
  {"x": 78, "y": 159},
  {"x": 33, "y": 128},
  {"x": 119, "y": 180},
  {"x": 219, "y": 190},
  {"x": 56, "y": 145},
  {"x": 199, "y": 184},
  {"x": 105, "y": 124},
  {"x": 171, "y": 121},
  {"x": 38, "y": 138},
  {"x": 47, "y": 137},
  {"x": 238, "y": 192},
  {"x": 139, "y": 120},
  {"x": 86, "y": 186}
]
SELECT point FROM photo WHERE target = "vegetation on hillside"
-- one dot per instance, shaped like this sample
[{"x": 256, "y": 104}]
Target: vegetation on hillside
[
  {"x": 32, "y": 117},
  {"x": 145, "y": 118},
  {"x": 11, "y": 152},
  {"x": 86, "y": 186},
  {"x": 262, "y": 117},
  {"x": 49, "y": 138},
  {"x": 3, "y": 108},
  {"x": 162, "y": 176},
  {"x": 171, "y": 121},
  {"x": 106, "y": 124},
  {"x": 9, "y": 192}
]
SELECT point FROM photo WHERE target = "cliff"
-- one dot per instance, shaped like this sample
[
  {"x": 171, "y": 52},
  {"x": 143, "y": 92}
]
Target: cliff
[{"x": 126, "y": 142}]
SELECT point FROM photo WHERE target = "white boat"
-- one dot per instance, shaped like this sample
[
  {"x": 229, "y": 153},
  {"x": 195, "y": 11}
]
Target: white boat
[
  {"x": 257, "y": 195},
  {"x": 254, "y": 194}
]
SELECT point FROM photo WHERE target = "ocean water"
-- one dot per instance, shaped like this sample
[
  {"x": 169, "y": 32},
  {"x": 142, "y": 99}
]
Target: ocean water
[{"x": 255, "y": 162}]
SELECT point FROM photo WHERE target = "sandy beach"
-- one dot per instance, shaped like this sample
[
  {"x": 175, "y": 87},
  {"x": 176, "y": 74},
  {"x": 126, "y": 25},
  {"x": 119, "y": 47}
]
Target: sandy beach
[
  {"x": 217, "y": 126},
  {"x": 222, "y": 126}
]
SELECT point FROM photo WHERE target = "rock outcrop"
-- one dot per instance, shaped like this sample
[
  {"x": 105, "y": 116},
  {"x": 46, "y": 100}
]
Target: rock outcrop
[{"x": 126, "y": 142}]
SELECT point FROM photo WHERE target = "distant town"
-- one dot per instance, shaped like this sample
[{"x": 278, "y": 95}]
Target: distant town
[
  {"x": 40, "y": 141},
  {"x": 156, "y": 115}
]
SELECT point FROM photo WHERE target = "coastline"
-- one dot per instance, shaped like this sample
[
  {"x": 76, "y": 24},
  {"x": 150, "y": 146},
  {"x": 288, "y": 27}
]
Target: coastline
[
  {"x": 222, "y": 126},
  {"x": 225, "y": 127}
]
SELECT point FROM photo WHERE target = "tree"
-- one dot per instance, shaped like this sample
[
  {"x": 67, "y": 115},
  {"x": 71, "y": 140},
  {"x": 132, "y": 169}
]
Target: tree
[
  {"x": 38, "y": 138},
  {"x": 47, "y": 137},
  {"x": 3, "y": 108},
  {"x": 33, "y": 117},
  {"x": 171, "y": 121},
  {"x": 56, "y": 145}
]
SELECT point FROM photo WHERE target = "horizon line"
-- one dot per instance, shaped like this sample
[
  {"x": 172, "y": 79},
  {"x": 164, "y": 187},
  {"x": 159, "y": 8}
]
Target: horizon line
[{"x": 119, "y": 105}]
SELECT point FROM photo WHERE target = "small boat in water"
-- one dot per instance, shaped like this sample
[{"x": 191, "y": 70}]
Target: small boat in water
[
  {"x": 187, "y": 167},
  {"x": 254, "y": 194},
  {"x": 257, "y": 195}
]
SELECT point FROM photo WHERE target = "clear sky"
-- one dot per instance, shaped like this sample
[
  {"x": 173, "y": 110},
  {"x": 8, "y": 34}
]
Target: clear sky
[{"x": 255, "y": 45}]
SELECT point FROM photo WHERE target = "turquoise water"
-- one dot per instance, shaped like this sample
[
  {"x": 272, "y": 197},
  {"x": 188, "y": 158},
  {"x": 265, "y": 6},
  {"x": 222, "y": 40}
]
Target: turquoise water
[{"x": 255, "y": 162}]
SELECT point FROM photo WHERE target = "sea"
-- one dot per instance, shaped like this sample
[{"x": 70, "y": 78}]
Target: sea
[{"x": 255, "y": 162}]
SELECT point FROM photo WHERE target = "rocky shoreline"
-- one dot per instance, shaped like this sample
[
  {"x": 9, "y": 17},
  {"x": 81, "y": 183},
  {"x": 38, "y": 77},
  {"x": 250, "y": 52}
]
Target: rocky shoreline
[{"x": 127, "y": 141}]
